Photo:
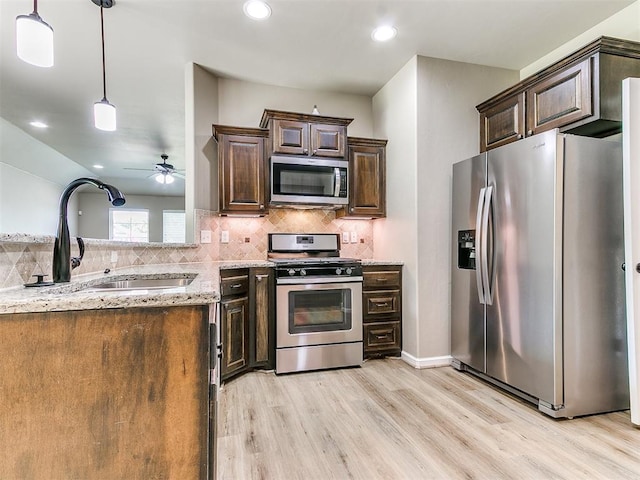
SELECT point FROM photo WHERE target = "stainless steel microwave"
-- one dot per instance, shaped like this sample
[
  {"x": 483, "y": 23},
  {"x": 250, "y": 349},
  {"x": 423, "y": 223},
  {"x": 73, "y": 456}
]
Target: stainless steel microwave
[{"x": 309, "y": 181}]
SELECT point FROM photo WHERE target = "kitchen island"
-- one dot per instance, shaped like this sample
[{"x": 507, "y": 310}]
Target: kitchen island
[{"x": 109, "y": 384}]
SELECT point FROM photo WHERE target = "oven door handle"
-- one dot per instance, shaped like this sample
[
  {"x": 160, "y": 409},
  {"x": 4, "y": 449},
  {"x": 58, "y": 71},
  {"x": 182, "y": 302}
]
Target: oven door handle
[{"x": 317, "y": 280}]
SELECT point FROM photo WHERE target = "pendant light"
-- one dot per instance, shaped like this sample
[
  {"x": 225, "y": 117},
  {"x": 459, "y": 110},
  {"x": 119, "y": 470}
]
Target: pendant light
[
  {"x": 34, "y": 39},
  {"x": 104, "y": 113}
]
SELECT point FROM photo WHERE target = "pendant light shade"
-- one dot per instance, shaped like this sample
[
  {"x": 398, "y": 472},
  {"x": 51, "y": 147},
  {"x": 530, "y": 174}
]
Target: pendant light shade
[
  {"x": 34, "y": 39},
  {"x": 104, "y": 115}
]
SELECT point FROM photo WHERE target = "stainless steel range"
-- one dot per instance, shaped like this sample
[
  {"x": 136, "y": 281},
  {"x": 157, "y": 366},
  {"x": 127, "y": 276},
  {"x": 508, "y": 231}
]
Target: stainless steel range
[{"x": 318, "y": 303}]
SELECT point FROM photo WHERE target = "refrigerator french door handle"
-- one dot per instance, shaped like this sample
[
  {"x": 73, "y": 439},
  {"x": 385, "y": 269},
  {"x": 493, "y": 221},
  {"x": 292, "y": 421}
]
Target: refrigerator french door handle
[
  {"x": 488, "y": 293},
  {"x": 479, "y": 235}
]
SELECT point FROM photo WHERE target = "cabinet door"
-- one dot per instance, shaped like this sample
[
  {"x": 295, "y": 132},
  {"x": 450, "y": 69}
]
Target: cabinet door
[
  {"x": 367, "y": 182},
  {"x": 561, "y": 99},
  {"x": 262, "y": 325},
  {"x": 290, "y": 137},
  {"x": 235, "y": 340},
  {"x": 242, "y": 175},
  {"x": 328, "y": 140},
  {"x": 503, "y": 123}
]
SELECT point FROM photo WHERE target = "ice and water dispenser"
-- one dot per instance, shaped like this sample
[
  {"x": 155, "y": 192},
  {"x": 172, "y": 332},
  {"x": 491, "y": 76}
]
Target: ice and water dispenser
[{"x": 467, "y": 249}]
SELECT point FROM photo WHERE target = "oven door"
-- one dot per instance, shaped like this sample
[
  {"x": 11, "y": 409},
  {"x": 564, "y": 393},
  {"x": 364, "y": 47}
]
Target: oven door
[{"x": 318, "y": 313}]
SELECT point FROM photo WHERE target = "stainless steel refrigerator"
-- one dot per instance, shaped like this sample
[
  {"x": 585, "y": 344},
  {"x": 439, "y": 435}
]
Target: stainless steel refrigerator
[{"x": 537, "y": 295}]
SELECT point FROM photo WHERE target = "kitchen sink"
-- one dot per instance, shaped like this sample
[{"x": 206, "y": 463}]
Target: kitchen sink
[{"x": 141, "y": 284}]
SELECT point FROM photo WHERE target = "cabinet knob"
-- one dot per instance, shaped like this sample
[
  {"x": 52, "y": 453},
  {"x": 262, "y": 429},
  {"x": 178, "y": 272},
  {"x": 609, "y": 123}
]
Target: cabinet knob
[
  {"x": 261, "y": 207},
  {"x": 305, "y": 150},
  {"x": 351, "y": 209},
  {"x": 519, "y": 136},
  {"x": 315, "y": 151},
  {"x": 530, "y": 132}
]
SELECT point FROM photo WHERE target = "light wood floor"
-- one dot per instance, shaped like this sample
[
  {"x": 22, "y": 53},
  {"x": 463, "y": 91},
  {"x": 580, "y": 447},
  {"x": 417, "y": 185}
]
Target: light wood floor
[{"x": 388, "y": 420}]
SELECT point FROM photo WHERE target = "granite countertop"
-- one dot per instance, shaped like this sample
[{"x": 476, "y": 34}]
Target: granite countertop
[
  {"x": 370, "y": 262},
  {"x": 204, "y": 289}
]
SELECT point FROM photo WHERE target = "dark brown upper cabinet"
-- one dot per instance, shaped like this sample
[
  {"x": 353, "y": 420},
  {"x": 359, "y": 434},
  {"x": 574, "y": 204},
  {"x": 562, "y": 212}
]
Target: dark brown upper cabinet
[
  {"x": 580, "y": 94},
  {"x": 367, "y": 179},
  {"x": 242, "y": 174},
  {"x": 305, "y": 134}
]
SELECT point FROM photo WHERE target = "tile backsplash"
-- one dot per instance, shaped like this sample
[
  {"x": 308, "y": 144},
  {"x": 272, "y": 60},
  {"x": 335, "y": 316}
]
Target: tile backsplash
[{"x": 22, "y": 256}]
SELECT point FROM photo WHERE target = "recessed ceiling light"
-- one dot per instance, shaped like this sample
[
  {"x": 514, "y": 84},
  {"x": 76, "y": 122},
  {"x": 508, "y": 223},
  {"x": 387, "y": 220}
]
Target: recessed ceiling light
[
  {"x": 99, "y": 167},
  {"x": 257, "y": 9},
  {"x": 384, "y": 33},
  {"x": 38, "y": 124}
]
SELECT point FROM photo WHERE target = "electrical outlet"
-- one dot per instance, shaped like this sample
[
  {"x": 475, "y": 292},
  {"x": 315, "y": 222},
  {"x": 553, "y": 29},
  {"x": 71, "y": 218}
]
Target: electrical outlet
[
  {"x": 345, "y": 237},
  {"x": 354, "y": 237},
  {"x": 205, "y": 236},
  {"x": 224, "y": 236}
]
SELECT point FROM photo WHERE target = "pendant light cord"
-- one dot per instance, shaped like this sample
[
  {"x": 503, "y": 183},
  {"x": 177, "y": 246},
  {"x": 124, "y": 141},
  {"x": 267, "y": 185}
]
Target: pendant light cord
[
  {"x": 35, "y": 7},
  {"x": 104, "y": 74}
]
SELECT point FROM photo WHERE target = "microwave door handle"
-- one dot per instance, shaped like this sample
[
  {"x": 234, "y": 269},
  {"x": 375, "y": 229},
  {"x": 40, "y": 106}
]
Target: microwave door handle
[{"x": 336, "y": 188}]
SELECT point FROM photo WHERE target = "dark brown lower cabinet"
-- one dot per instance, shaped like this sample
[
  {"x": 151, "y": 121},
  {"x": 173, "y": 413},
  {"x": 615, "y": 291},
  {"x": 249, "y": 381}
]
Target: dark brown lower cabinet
[
  {"x": 234, "y": 322},
  {"x": 382, "y": 310},
  {"x": 104, "y": 394},
  {"x": 247, "y": 320}
]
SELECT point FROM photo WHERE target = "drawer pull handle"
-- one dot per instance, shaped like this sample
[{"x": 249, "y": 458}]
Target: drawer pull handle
[
  {"x": 382, "y": 304},
  {"x": 380, "y": 337},
  {"x": 380, "y": 279},
  {"x": 236, "y": 285}
]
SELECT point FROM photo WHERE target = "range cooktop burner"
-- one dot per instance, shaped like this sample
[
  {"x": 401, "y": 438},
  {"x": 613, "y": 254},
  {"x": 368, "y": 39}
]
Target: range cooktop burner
[{"x": 308, "y": 260}]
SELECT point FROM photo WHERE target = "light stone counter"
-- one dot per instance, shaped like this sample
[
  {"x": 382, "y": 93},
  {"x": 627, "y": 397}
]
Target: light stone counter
[
  {"x": 204, "y": 289},
  {"x": 372, "y": 263}
]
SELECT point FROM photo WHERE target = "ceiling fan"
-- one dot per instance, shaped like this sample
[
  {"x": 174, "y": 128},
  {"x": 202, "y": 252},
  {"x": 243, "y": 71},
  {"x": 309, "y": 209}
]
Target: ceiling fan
[{"x": 164, "y": 172}]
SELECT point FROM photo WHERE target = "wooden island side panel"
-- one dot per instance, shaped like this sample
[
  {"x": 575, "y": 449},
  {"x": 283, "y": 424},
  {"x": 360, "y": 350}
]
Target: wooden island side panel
[{"x": 105, "y": 394}]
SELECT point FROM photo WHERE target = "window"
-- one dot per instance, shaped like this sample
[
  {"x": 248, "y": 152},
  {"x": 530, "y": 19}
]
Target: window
[
  {"x": 128, "y": 225},
  {"x": 173, "y": 226}
]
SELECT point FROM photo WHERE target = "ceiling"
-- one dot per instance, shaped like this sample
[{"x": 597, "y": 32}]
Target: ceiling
[{"x": 318, "y": 45}]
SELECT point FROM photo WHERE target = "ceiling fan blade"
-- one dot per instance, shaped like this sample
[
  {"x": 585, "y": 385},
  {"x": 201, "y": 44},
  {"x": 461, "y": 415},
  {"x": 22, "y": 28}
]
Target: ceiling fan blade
[{"x": 139, "y": 169}]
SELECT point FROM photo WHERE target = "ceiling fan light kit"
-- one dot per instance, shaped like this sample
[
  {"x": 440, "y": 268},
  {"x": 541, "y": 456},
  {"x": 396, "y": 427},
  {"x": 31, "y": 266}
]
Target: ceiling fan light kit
[
  {"x": 34, "y": 39},
  {"x": 104, "y": 113},
  {"x": 164, "y": 178}
]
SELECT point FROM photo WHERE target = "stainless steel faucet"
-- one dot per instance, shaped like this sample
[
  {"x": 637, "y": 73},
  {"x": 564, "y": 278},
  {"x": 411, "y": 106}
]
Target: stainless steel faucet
[{"x": 62, "y": 261}]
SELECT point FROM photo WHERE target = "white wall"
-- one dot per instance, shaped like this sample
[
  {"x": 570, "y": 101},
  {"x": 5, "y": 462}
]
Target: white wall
[
  {"x": 427, "y": 112},
  {"x": 448, "y": 131},
  {"x": 94, "y": 221},
  {"x": 201, "y": 111},
  {"x": 32, "y": 177},
  {"x": 242, "y": 103},
  {"x": 395, "y": 238},
  {"x": 29, "y": 204},
  {"x": 624, "y": 24}
]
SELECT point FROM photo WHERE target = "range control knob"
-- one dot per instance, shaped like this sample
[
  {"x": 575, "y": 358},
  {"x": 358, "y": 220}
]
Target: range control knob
[
  {"x": 303, "y": 272},
  {"x": 349, "y": 270},
  {"x": 338, "y": 271},
  {"x": 291, "y": 272}
]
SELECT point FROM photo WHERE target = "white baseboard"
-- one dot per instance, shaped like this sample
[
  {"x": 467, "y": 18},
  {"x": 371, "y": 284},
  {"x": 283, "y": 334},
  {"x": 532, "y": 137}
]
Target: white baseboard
[{"x": 429, "y": 362}]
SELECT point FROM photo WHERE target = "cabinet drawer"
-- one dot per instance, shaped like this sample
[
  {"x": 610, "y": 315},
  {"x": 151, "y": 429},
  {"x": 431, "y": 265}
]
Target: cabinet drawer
[
  {"x": 381, "y": 302},
  {"x": 374, "y": 280},
  {"x": 382, "y": 336},
  {"x": 231, "y": 286}
]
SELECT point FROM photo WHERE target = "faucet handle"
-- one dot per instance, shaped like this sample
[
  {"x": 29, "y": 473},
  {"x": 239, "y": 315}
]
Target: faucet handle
[{"x": 75, "y": 261}]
